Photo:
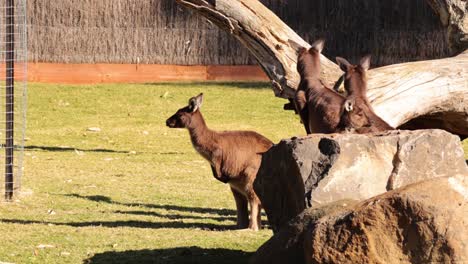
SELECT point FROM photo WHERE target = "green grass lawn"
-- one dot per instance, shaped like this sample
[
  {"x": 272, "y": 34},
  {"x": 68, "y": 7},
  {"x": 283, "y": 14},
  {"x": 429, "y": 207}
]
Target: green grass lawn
[{"x": 135, "y": 192}]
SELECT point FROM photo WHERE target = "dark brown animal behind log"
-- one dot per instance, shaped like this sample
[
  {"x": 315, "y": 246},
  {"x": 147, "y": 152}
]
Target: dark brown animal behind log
[
  {"x": 234, "y": 156},
  {"x": 359, "y": 116},
  {"x": 319, "y": 107},
  {"x": 355, "y": 76}
]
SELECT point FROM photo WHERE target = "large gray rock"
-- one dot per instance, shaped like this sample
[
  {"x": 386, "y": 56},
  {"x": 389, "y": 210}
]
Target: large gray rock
[
  {"x": 319, "y": 169},
  {"x": 424, "y": 222}
]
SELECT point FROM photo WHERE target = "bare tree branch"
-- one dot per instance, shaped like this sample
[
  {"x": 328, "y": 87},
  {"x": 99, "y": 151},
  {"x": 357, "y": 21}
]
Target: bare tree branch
[{"x": 435, "y": 90}]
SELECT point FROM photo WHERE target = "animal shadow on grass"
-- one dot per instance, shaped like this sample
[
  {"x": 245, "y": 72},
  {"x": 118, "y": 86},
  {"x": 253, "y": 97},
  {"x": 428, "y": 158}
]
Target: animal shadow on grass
[
  {"x": 124, "y": 223},
  {"x": 222, "y": 214},
  {"x": 175, "y": 219},
  {"x": 106, "y": 199},
  {"x": 215, "y": 214},
  {"x": 172, "y": 255},
  {"x": 215, "y": 84},
  {"x": 64, "y": 149},
  {"x": 98, "y": 150}
]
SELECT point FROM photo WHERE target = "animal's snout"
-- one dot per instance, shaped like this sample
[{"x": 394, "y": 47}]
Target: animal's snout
[
  {"x": 349, "y": 105},
  {"x": 169, "y": 123},
  {"x": 174, "y": 122}
]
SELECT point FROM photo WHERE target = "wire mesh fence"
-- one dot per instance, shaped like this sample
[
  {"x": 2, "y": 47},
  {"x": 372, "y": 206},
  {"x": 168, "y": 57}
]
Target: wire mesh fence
[{"x": 13, "y": 76}]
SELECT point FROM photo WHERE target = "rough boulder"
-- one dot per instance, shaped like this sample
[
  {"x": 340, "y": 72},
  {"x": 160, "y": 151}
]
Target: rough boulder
[
  {"x": 305, "y": 172},
  {"x": 424, "y": 222}
]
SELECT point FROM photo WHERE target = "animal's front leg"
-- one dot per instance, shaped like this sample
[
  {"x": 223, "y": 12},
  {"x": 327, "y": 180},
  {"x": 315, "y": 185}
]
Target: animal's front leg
[
  {"x": 242, "y": 209},
  {"x": 300, "y": 102},
  {"x": 218, "y": 174}
]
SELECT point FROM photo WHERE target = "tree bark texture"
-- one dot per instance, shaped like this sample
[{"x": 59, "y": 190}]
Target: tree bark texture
[
  {"x": 425, "y": 94},
  {"x": 453, "y": 15}
]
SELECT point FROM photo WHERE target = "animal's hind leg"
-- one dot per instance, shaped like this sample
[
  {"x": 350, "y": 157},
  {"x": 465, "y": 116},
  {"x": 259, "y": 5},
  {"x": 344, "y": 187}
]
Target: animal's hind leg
[
  {"x": 255, "y": 206},
  {"x": 242, "y": 210},
  {"x": 259, "y": 216}
]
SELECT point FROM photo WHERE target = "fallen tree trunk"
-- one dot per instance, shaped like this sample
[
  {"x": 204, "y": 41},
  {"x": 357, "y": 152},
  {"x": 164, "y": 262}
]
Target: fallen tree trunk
[
  {"x": 423, "y": 94},
  {"x": 432, "y": 94}
]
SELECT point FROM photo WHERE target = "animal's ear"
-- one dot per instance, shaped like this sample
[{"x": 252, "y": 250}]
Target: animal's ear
[
  {"x": 301, "y": 51},
  {"x": 365, "y": 62},
  {"x": 343, "y": 63},
  {"x": 196, "y": 102},
  {"x": 295, "y": 45},
  {"x": 318, "y": 45}
]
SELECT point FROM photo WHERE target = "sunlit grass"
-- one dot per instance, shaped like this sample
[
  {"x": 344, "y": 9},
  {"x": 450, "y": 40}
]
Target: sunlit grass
[{"x": 136, "y": 191}]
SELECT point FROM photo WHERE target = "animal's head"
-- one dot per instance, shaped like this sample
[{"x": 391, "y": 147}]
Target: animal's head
[
  {"x": 183, "y": 117},
  {"x": 308, "y": 61},
  {"x": 351, "y": 70}
]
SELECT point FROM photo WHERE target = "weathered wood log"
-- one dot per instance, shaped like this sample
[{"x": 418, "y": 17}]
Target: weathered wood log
[
  {"x": 430, "y": 94},
  {"x": 435, "y": 90}
]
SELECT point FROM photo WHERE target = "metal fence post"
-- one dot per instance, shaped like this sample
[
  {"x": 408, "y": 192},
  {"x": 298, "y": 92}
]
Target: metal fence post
[{"x": 9, "y": 103}]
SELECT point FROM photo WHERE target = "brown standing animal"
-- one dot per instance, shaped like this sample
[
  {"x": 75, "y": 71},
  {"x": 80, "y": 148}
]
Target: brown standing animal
[
  {"x": 235, "y": 158},
  {"x": 319, "y": 107},
  {"x": 359, "y": 117}
]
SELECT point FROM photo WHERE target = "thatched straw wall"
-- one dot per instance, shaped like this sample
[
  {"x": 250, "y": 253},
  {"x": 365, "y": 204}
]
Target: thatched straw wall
[
  {"x": 391, "y": 30},
  {"x": 161, "y": 32}
]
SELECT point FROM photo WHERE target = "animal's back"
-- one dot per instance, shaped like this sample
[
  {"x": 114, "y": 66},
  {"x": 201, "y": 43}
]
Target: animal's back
[
  {"x": 249, "y": 141},
  {"x": 324, "y": 105},
  {"x": 379, "y": 123}
]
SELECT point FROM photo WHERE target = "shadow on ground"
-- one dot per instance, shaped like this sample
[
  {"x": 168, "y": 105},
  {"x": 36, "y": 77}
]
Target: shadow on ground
[
  {"x": 176, "y": 220},
  {"x": 180, "y": 218},
  {"x": 238, "y": 85},
  {"x": 126, "y": 223},
  {"x": 99, "y": 150},
  {"x": 64, "y": 149},
  {"x": 175, "y": 216},
  {"x": 106, "y": 199},
  {"x": 172, "y": 255},
  {"x": 222, "y": 214}
]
